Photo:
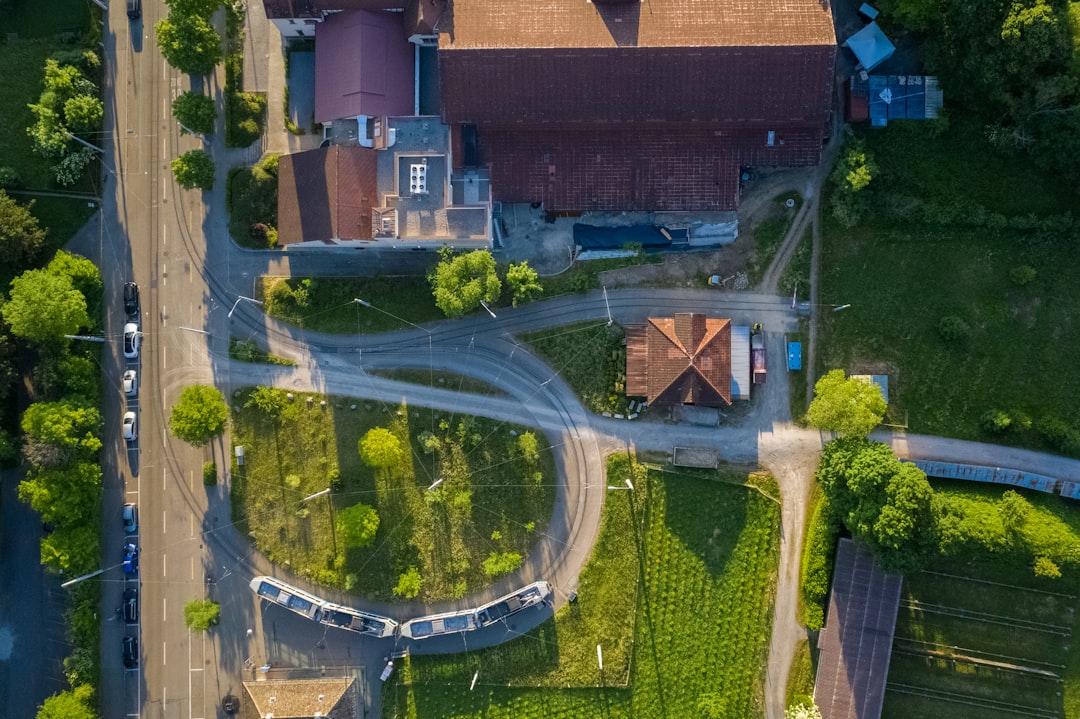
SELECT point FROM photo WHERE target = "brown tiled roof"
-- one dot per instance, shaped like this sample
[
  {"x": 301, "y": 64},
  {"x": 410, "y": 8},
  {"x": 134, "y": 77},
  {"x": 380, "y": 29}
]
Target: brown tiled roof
[
  {"x": 290, "y": 9},
  {"x": 657, "y": 23},
  {"x": 685, "y": 359},
  {"x": 363, "y": 66},
  {"x": 762, "y": 86},
  {"x": 301, "y": 698},
  {"x": 634, "y": 167},
  {"x": 327, "y": 194}
]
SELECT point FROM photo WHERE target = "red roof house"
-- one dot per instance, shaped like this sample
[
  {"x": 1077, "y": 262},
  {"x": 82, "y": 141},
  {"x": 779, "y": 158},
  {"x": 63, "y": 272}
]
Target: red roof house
[
  {"x": 685, "y": 359},
  {"x": 363, "y": 66},
  {"x": 610, "y": 105},
  {"x": 327, "y": 195}
]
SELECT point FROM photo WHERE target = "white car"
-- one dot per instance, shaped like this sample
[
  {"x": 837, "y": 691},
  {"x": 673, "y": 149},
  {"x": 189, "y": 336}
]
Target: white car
[
  {"x": 131, "y": 340},
  {"x": 131, "y": 382},
  {"x": 131, "y": 431},
  {"x": 130, "y": 515}
]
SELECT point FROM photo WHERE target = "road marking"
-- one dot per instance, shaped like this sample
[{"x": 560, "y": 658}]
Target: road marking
[
  {"x": 164, "y": 234},
  {"x": 191, "y": 483},
  {"x": 164, "y": 474},
  {"x": 163, "y": 572},
  {"x": 163, "y": 153},
  {"x": 164, "y": 655},
  {"x": 164, "y": 364},
  {"x": 192, "y": 523},
  {"x": 163, "y": 516},
  {"x": 163, "y": 607},
  {"x": 193, "y": 569}
]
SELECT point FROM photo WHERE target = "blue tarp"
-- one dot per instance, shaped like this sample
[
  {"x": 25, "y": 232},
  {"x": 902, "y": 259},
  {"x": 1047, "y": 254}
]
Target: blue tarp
[
  {"x": 590, "y": 237},
  {"x": 870, "y": 46},
  {"x": 794, "y": 356}
]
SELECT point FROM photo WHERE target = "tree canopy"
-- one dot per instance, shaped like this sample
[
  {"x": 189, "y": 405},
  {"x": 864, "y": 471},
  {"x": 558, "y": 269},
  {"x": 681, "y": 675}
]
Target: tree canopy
[
  {"x": 201, "y": 614},
  {"x": 886, "y": 504},
  {"x": 846, "y": 405},
  {"x": 84, "y": 275},
  {"x": 21, "y": 237},
  {"x": 195, "y": 112},
  {"x": 357, "y": 525},
  {"x": 189, "y": 43},
  {"x": 74, "y": 703},
  {"x": 194, "y": 169},
  {"x": 61, "y": 495},
  {"x": 69, "y": 426},
  {"x": 409, "y": 583},
  {"x": 380, "y": 447},
  {"x": 461, "y": 283},
  {"x": 524, "y": 282},
  {"x": 201, "y": 8},
  {"x": 199, "y": 415},
  {"x": 43, "y": 307}
]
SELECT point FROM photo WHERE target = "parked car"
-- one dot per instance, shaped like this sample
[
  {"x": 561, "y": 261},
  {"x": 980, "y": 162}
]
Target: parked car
[
  {"x": 131, "y": 518},
  {"x": 131, "y": 605},
  {"x": 131, "y": 559},
  {"x": 131, "y": 652},
  {"x": 131, "y": 299},
  {"x": 131, "y": 429},
  {"x": 131, "y": 382},
  {"x": 131, "y": 340}
]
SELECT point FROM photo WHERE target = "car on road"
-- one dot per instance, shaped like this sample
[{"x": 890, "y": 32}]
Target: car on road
[
  {"x": 131, "y": 340},
  {"x": 130, "y": 516},
  {"x": 131, "y": 429},
  {"x": 131, "y": 299},
  {"x": 131, "y": 606},
  {"x": 131, "y": 559},
  {"x": 131, "y": 652},
  {"x": 131, "y": 382}
]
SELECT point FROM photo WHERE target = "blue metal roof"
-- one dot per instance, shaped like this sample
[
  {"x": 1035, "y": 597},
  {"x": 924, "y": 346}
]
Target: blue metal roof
[{"x": 794, "y": 356}]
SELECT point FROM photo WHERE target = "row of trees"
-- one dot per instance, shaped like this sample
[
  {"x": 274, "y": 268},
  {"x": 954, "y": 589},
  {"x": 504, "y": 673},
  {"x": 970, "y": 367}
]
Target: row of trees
[
  {"x": 68, "y": 105},
  {"x": 460, "y": 283},
  {"x": 187, "y": 39}
]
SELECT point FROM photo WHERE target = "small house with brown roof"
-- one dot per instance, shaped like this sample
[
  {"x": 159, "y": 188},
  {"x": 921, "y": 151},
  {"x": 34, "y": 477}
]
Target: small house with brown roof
[
  {"x": 685, "y": 359},
  {"x": 323, "y": 698}
]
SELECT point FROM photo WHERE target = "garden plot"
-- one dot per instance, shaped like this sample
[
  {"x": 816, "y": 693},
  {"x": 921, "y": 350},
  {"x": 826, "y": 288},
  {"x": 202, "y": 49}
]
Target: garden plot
[{"x": 967, "y": 646}]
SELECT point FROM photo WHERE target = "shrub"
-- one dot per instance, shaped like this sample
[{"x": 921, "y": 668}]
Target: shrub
[
  {"x": 996, "y": 421},
  {"x": 358, "y": 525},
  {"x": 499, "y": 563},
  {"x": 9, "y": 179},
  {"x": 209, "y": 474},
  {"x": 72, "y": 166},
  {"x": 953, "y": 328},
  {"x": 817, "y": 563},
  {"x": 409, "y": 584},
  {"x": 1022, "y": 275},
  {"x": 1059, "y": 434}
]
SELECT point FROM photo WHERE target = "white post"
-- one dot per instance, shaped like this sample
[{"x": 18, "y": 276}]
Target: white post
[{"x": 599, "y": 657}]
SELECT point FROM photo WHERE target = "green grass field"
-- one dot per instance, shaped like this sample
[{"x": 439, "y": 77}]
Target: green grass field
[
  {"x": 396, "y": 302},
  {"x": 442, "y": 380},
  {"x": 492, "y": 498},
  {"x": 902, "y": 278},
  {"x": 706, "y": 560},
  {"x": 769, "y": 234},
  {"x": 590, "y": 357},
  {"x": 983, "y": 636}
]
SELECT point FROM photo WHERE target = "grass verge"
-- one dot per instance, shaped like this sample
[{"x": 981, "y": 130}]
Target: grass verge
[
  {"x": 251, "y": 199},
  {"x": 249, "y": 351},
  {"x": 902, "y": 279},
  {"x": 591, "y": 358},
  {"x": 795, "y": 279},
  {"x": 800, "y": 683},
  {"x": 584, "y": 276},
  {"x": 769, "y": 234},
  {"x": 245, "y": 112},
  {"x": 706, "y": 558},
  {"x": 495, "y": 497}
]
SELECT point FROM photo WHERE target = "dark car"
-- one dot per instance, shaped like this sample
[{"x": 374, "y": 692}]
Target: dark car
[
  {"x": 131, "y": 605},
  {"x": 131, "y": 559},
  {"x": 131, "y": 299},
  {"x": 134, "y": 9},
  {"x": 131, "y": 652}
]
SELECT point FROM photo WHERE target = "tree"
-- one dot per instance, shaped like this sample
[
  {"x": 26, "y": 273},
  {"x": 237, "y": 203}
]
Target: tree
[
  {"x": 199, "y": 415},
  {"x": 43, "y": 307},
  {"x": 846, "y": 405},
  {"x": 380, "y": 448},
  {"x": 357, "y": 525},
  {"x": 189, "y": 43},
  {"x": 524, "y": 282},
  {"x": 83, "y": 112},
  {"x": 802, "y": 710},
  {"x": 201, "y": 8},
  {"x": 72, "y": 548},
  {"x": 460, "y": 283},
  {"x": 70, "y": 427},
  {"x": 888, "y": 506},
  {"x": 76, "y": 703},
  {"x": 195, "y": 112},
  {"x": 72, "y": 166},
  {"x": 194, "y": 169},
  {"x": 409, "y": 583},
  {"x": 21, "y": 237},
  {"x": 84, "y": 275},
  {"x": 270, "y": 400},
  {"x": 201, "y": 614},
  {"x": 529, "y": 447},
  {"x": 61, "y": 495},
  {"x": 499, "y": 563}
]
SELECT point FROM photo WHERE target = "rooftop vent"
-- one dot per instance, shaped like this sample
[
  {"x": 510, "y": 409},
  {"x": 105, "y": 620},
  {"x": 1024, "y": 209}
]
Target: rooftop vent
[{"x": 418, "y": 179}]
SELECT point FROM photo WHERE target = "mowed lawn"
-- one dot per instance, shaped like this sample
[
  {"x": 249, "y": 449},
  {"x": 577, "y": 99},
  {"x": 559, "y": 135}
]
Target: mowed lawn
[
  {"x": 901, "y": 279},
  {"x": 984, "y": 636},
  {"x": 705, "y": 556},
  {"x": 491, "y": 499}
]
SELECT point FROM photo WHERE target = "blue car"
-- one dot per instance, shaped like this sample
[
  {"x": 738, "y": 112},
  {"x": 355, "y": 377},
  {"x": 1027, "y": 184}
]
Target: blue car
[{"x": 131, "y": 559}]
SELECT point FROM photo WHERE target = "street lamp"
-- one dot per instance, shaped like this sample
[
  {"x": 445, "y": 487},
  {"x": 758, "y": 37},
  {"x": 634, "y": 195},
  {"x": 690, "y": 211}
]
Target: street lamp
[
  {"x": 485, "y": 306},
  {"x": 330, "y": 508},
  {"x": 238, "y": 299},
  {"x": 628, "y": 486}
]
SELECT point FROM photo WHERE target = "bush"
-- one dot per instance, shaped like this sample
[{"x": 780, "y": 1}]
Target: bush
[
  {"x": 409, "y": 584},
  {"x": 499, "y": 563},
  {"x": 1059, "y": 434},
  {"x": 195, "y": 112},
  {"x": 9, "y": 179},
  {"x": 996, "y": 421},
  {"x": 252, "y": 204},
  {"x": 1022, "y": 275},
  {"x": 209, "y": 474},
  {"x": 817, "y": 561},
  {"x": 953, "y": 328}
]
